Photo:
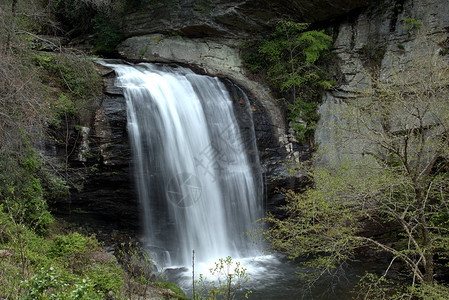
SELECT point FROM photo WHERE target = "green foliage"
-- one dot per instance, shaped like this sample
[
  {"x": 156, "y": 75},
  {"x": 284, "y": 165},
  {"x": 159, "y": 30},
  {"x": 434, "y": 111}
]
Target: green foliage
[
  {"x": 21, "y": 190},
  {"x": 291, "y": 57},
  {"x": 396, "y": 177},
  {"x": 322, "y": 221},
  {"x": 77, "y": 79},
  {"x": 77, "y": 76},
  {"x": 172, "y": 287},
  {"x": 73, "y": 251},
  {"x": 49, "y": 284},
  {"x": 253, "y": 60},
  {"x": 68, "y": 245},
  {"x": 107, "y": 278},
  {"x": 107, "y": 34},
  {"x": 36, "y": 88},
  {"x": 228, "y": 276},
  {"x": 54, "y": 267},
  {"x": 42, "y": 283},
  {"x": 54, "y": 186},
  {"x": 372, "y": 286},
  {"x": 204, "y": 6},
  {"x": 410, "y": 24}
]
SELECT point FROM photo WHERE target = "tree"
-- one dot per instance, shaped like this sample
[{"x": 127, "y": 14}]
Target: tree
[
  {"x": 290, "y": 56},
  {"x": 399, "y": 178}
]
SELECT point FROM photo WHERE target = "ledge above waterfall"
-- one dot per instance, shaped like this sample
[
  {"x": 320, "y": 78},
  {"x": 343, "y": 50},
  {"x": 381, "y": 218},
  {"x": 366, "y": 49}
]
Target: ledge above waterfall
[{"x": 216, "y": 59}]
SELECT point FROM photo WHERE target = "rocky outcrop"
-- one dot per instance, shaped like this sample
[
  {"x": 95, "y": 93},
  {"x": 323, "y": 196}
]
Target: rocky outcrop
[
  {"x": 382, "y": 38},
  {"x": 206, "y": 35},
  {"x": 228, "y": 19},
  {"x": 100, "y": 170},
  {"x": 212, "y": 58}
]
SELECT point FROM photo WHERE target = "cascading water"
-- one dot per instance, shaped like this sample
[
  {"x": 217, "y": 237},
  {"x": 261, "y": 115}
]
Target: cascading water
[
  {"x": 199, "y": 188},
  {"x": 198, "y": 178}
]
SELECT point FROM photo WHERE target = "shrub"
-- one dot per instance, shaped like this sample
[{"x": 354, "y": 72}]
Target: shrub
[
  {"x": 48, "y": 283},
  {"x": 107, "y": 278},
  {"x": 21, "y": 190},
  {"x": 69, "y": 245},
  {"x": 107, "y": 33},
  {"x": 290, "y": 58}
]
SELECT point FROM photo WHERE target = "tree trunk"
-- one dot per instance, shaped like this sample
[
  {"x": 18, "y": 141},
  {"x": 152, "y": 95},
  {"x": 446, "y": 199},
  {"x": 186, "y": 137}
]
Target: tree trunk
[
  {"x": 11, "y": 31},
  {"x": 425, "y": 235},
  {"x": 13, "y": 7},
  {"x": 428, "y": 275}
]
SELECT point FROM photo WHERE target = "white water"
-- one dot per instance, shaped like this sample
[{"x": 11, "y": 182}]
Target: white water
[{"x": 197, "y": 185}]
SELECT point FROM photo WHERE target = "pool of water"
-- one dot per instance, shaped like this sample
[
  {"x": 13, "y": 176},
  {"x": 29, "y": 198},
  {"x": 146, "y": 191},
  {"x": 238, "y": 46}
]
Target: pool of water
[{"x": 275, "y": 277}]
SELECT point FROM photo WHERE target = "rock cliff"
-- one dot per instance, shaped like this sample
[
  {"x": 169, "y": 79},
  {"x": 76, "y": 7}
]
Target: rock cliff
[
  {"x": 219, "y": 19},
  {"x": 380, "y": 38}
]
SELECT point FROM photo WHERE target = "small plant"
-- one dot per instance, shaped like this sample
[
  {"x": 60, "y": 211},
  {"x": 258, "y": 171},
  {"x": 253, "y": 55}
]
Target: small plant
[
  {"x": 444, "y": 50},
  {"x": 253, "y": 60},
  {"x": 22, "y": 192},
  {"x": 204, "y": 6},
  {"x": 95, "y": 168},
  {"x": 410, "y": 24},
  {"x": 372, "y": 55},
  {"x": 228, "y": 277},
  {"x": 45, "y": 282},
  {"x": 139, "y": 269},
  {"x": 107, "y": 278},
  {"x": 50, "y": 284}
]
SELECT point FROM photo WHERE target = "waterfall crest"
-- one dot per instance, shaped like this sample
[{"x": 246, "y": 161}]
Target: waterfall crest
[{"x": 197, "y": 184}]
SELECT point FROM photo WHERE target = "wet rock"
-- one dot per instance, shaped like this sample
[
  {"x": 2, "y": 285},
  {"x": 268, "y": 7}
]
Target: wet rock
[
  {"x": 214, "y": 58},
  {"x": 103, "y": 194}
]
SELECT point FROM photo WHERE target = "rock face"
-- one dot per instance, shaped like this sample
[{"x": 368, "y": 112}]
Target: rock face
[
  {"x": 229, "y": 19},
  {"x": 100, "y": 169},
  {"x": 212, "y": 58},
  {"x": 379, "y": 37}
]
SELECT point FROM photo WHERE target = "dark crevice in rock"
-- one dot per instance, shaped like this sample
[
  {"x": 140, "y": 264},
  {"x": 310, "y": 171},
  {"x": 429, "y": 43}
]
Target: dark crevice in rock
[{"x": 396, "y": 11}]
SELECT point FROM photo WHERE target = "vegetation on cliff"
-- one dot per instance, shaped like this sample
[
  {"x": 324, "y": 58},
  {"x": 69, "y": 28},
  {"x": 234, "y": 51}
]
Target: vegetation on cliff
[
  {"x": 398, "y": 184},
  {"x": 292, "y": 59}
]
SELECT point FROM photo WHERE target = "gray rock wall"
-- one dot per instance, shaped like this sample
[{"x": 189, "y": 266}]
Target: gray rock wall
[
  {"x": 103, "y": 194},
  {"x": 380, "y": 39},
  {"x": 229, "y": 19}
]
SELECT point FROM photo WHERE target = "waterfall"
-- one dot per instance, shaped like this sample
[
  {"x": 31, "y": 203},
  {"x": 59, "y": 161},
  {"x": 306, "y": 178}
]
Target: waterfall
[{"x": 199, "y": 187}]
